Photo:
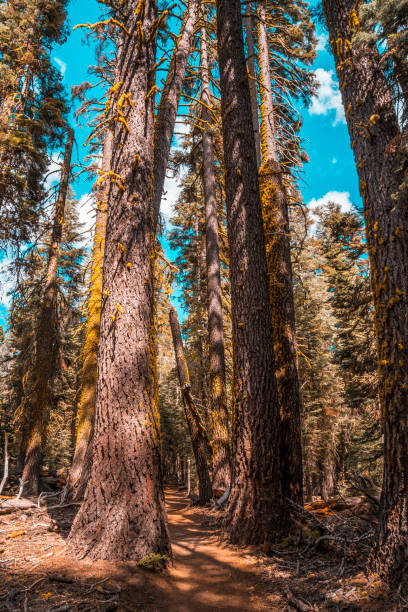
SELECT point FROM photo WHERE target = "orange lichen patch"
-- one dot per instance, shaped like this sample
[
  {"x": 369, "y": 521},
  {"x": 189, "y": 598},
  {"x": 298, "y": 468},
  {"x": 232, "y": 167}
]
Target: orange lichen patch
[
  {"x": 125, "y": 98},
  {"x": 118, "y": 180},
  {"x": 354, "y": 21},
  {"x": 151, "y": 92},
  {"x": 16, "y": 534},
  {"x": 120, "y": 117},
  {"x": 92, "y": 26},
  {"x": 137, "y": 161},
  {"x": 326, "y": 508}
]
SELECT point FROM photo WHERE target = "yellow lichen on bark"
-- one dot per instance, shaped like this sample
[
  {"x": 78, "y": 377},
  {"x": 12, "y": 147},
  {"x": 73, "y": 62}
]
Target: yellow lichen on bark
[
  {"x": 86, "y": 405},
  {"x": 87, "y": 396}
]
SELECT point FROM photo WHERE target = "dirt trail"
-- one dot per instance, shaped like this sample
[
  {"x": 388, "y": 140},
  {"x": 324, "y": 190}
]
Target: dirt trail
[
  {"x": 37, "y": 575},
  {"x": 209, "y": 576}
]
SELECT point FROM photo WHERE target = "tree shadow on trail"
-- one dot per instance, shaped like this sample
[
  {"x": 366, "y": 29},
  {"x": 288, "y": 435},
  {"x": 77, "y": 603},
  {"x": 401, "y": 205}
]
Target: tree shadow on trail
[{"x": 37, "y": 575}]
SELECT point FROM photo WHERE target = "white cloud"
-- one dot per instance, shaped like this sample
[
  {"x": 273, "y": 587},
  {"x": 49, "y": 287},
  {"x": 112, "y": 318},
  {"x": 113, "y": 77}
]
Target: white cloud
[
  {"x": 328, "y": 97},
  {"x": 322, "y": 41},
  {"x": 172, "y": 189},
  {"x": 61, "y": 65},
  {"x": 53, "y": 170},
  {"x": 181, "y": 129},
  {"x": 86, "y": 214},
  {"x": 7, "y": 281},
  {"x": 338, "y": 197},
  {"x": 172, "y": 186}
]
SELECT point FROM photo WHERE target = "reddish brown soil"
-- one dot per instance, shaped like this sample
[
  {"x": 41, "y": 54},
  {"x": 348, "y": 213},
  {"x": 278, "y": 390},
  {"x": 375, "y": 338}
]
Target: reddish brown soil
[
  {"x": 36, "y": 575},
  {"x": 209, "y": 575}
]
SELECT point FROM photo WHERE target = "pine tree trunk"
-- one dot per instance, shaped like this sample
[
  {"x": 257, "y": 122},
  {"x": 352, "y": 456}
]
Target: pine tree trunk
[
  {"x": 197, "y": 432},
  {"x": 253, "y": 88},
  {"x": 276, "y": 226},
  {"x": 80, "y": 469},
  {"x": 256, "y": 511},
  {"x": 36, "y": 400},
  {"x": 167, "y": 111},
  {"x": 218, "y": 410},
  {"x": 123, "y": 516},
  {"x": 375, "y": 136}
]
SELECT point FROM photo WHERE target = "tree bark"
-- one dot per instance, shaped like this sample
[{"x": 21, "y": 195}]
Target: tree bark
[
  {"x": 195, "y": 427},
  {"x": 167, "y": 111},
  {"x": 277, "y": 234},
  {"x": 123, "y": 516},
  {"x": 218, "y": 410},
  {"x": 80, "y": 468},
  {"x": 253, "y": 87},
  {"x": 36, "y": 400},
  {"x": 375, "y": 137},
  {"x": 256, "y": 511}
]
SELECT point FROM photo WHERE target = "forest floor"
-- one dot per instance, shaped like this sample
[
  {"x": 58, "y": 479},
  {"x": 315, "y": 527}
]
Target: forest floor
[{"x": 208, "y": 575}]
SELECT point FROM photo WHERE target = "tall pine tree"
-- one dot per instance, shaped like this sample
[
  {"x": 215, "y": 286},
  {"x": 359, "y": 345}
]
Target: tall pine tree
[
  {"x": 374, "y": 132},
  {"x": 123, "y": 517},
  {"x": 32, "y": 109}
]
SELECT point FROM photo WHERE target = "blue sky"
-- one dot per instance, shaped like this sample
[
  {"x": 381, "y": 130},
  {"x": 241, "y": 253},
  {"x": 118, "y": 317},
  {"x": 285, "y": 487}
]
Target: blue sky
[{"x": 330, "y": 175}]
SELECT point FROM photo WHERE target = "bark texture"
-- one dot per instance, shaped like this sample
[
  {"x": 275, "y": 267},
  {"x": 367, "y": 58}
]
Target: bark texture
[
  {"x": 167, "y": 111},
  {"x": 218, "y": 410},
  {"x": 277, "y": 234},
  {"x": 195, "y": 427},
  {"x": 256, "y": 513},
  {"x": 35, "y": 402},
  {"x": 253, "y": 87},
  {"x": 375, "y": 137},
  {"x": 80, "y": 469},
  {"x": 123, "y": 516}
]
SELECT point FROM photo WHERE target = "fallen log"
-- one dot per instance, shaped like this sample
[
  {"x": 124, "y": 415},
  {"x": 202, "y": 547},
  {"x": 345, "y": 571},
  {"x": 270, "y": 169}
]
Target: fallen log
[
  {"x": 224, "y": 497},
  {"x": 339, "y": 504},
  {"x": 11, "y": 505}
]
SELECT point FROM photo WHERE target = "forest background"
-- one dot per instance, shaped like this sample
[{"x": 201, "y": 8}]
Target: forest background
[
  {"x": 329, "y": 176},
  {"x": 47, "y": 395}
]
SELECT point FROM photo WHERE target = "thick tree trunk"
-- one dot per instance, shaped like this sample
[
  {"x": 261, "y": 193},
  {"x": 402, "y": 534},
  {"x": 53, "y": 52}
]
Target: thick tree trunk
[
  {"x": 80, "y": 469},
  {"x": 276, "y": 226},
  {"x": 218, "y": 410},
  {"x": 256, "y": 511},
  {"x": 36, "y": 400},
  {"x": 375, "y": 136},
  {"x": 253, "y": 87},
  {"x": 195, "y": 427},
  {"x": 167, "y": 111},
  {"x": 123, "y": 516}
]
